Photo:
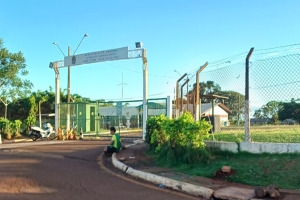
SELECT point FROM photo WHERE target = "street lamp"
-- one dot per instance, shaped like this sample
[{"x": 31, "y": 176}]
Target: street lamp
[
  {"x": 177, "y": 72},
  {"x": 69, "y": 77}
]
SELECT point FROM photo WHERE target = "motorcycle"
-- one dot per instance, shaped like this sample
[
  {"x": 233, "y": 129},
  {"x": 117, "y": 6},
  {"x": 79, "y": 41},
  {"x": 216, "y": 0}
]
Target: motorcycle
[{"x": 48, "y": 133}]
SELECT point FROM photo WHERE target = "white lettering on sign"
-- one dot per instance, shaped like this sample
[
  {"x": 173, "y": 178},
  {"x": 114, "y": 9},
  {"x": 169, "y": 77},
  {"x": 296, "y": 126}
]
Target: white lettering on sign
[{"x": 98, "y": 56}]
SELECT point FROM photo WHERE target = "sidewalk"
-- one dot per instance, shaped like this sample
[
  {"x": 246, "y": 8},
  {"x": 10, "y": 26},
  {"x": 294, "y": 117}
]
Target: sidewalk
[{"x": 135, "y": 162}]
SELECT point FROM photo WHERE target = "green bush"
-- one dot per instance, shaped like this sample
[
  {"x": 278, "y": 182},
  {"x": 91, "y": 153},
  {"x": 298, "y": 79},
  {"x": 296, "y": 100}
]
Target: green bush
[
  {"x": 153, "y": 124},
  {"x": 10, "y": 129},
  {"x": 178, "y": 140},
  {"x": 4, "y": 123}
]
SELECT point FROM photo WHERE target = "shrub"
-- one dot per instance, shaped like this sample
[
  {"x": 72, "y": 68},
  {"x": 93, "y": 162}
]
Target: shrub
[
  {"x": 179, "y": 140},
  {"x": 4, "y": 123},
  {"x": 153, "y": 124}
]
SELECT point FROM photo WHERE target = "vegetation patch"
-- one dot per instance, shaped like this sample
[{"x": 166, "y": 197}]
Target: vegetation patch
[
  {"x": 251, "y": 169},
  {"x": 178, "y": 144},
  {"x": 267, "y": 133}
]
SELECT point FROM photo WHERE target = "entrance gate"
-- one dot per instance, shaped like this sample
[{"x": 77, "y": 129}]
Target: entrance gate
[
  {"x": 99, "y": 56},
  {"x": 95, "y": 119}
]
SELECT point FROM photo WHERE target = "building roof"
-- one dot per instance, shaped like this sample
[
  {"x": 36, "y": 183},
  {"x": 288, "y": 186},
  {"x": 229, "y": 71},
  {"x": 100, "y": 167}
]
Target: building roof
[
  {"x": 207, "y": 106},
  {"x": 152, "y": 105}
]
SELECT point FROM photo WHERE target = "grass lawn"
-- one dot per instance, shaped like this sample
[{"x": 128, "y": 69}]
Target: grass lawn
[
  {"x": 271, "y": 133},
  {"x": 258, "y": 170},
  {"x": 252, "y": 169}
]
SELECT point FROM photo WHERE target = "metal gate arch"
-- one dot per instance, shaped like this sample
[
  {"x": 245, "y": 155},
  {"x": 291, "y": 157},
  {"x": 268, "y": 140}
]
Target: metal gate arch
[{"x": 100, "y": 56}]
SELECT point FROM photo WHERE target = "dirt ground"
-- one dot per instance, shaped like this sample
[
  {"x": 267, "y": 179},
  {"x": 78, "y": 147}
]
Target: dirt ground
[
  {"x": 136, "y": 157},
  {"x": 47, "y": 170}
]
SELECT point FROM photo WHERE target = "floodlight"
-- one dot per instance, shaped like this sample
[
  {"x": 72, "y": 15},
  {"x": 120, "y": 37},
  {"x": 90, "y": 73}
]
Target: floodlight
[{"x": 138, "y": 45}]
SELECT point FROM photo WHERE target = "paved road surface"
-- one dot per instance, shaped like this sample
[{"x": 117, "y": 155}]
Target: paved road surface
[{"x": 66, "y": 170}]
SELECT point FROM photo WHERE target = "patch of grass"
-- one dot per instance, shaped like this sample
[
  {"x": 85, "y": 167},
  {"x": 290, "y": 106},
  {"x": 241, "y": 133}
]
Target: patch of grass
[
  {"x": 267, "y": 133},
  {"x": 252, "y": 169}
]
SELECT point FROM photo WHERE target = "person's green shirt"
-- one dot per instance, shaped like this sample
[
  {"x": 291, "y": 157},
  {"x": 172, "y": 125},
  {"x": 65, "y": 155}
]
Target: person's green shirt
[{"x": 116, "y": 142}]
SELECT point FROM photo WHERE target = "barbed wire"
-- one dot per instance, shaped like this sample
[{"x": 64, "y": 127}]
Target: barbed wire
[{"x": 297, "y": 44}]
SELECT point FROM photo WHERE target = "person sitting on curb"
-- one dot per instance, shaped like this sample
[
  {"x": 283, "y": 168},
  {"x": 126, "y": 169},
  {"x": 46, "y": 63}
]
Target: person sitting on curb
[{"x": 115, "y": 145}]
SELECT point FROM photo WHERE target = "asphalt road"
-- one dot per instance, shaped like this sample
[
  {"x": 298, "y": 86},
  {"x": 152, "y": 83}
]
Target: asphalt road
[{"x": 66, "y": 170}]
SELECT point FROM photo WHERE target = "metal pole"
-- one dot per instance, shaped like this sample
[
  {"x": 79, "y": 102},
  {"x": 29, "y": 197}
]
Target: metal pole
[
  {"x": 145, "y": 91},
  {"x": 187, "y": 80},
  {"x": 194, "y": 105},
  {"x": 213, "y": 114},
  {"x": 187, "y": 97},
  {"x": 169, "y": 107},
  {"x": 247, "y": 105},
  {"x": 57, "y": 97},
  {"x": 68, "y": 101},
  {"x": 177, "y": 88},
  {"x": 198, "y": 101}
]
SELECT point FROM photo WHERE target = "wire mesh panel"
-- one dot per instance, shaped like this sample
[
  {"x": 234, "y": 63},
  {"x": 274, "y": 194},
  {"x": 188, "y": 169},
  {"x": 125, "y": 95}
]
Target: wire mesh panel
[
  {"x": 228, "y": 86},
  {"x": 95, "y": 119},
  {"x": 274, "y": 92},
  {"x": 274, "y": 95},
  {"x": 275, "y": 81}
]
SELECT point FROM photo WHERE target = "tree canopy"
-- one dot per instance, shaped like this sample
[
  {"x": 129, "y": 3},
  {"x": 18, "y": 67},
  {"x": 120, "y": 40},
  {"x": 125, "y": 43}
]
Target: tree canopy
[{"x": 12, "y": 71}]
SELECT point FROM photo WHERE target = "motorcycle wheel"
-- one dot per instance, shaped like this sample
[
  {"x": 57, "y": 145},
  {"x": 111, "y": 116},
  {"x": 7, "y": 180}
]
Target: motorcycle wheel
[
  {"x": 33, "y": 137},
  {"x": 52, "y": 136}
]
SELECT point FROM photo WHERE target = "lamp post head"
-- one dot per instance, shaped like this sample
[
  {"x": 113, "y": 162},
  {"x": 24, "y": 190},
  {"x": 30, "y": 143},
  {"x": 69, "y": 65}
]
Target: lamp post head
[
  {"x": 177, "y": 72},
  {"x": 138, "y": 45},
  {"x": 85, "y": 35},
  {"x": 54, "y": 43}
]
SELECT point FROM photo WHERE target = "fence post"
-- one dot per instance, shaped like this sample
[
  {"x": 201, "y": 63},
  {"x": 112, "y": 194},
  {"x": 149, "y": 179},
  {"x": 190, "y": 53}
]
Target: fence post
[
  {"x": 247, "y": 109},
  {"x": 176, "y": 100},
  {"x": 169, "y": 107},
  {"x": 198, "y": 101},
  {"x": 181, "y": 107}
]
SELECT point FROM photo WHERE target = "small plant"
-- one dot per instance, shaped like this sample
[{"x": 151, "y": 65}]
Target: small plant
[
  {"x": 59, "y": 134},
  {"x": 5, "y": 126},
  {"x": 16, "y": 125}
]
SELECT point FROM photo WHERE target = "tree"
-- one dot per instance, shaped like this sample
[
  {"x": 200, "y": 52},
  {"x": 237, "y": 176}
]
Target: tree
[
  {"x": 5, "y": 102},
  {"x": 12, "y": 70},
  {"x": 258, "y": 113},
  {"x": 31, "y": 119},
  {"x": 210, "y": 87},
  {"x": 290, "y": 110},
  {"x": 235, "y": 103},
  {"x": 270, "y": 110},
  {"x": 41, "y": 97}
]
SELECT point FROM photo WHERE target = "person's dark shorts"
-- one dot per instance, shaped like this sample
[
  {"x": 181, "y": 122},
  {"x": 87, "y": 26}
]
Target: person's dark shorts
[{"x": 111, "y": 150}]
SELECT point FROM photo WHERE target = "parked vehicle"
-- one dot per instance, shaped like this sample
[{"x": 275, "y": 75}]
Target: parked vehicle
[
  {"x": 288, "y": 121},
  {"x": 47, "y": 133}
]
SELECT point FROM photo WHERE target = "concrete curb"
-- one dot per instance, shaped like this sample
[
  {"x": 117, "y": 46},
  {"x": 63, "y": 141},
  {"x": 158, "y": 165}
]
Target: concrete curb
[
  {"x": 23, "y": 140},
  {"x": 165, "y": 182}
]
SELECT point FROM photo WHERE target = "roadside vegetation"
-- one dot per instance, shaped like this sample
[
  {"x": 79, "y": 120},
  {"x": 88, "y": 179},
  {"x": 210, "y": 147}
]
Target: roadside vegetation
[{"x": 179, "y": 144}]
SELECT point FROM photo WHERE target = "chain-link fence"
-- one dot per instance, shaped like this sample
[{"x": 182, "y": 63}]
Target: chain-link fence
[
  {"x": 97, "y": 118},
  {"x": 274, "y": 95}
]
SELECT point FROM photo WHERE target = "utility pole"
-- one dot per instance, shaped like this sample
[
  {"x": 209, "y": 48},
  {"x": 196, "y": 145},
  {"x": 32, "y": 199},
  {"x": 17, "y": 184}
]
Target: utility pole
[
  {"x": 68, "y": 92},
  {"x": 122, "y": 85},
  {"x": 69, "y": 77}
]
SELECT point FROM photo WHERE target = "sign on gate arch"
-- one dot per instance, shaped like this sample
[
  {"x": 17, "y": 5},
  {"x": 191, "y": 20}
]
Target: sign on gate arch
[{"x": 101, "y": 56}]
